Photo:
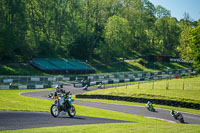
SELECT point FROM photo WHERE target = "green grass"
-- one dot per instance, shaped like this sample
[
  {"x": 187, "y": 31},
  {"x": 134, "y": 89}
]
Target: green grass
[
  {"x": 137, "y": 65},
  {"x": 189, "y": 93},
  {"x": 128, "y": 65},
  {"x": 11, "y": 100},
  {"x": 19, "y": 69},
  {"x": 155, "y": 127}
]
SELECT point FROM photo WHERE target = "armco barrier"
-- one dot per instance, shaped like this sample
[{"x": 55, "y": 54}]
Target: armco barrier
[{"x": 143, "y": 100}]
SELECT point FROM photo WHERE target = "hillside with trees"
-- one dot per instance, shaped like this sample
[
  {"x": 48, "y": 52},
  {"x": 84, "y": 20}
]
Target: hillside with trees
[{"x": 105, "y": 30}]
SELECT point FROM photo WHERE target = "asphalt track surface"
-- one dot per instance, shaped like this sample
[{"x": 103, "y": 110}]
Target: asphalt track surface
[
  {"x": 13, "y": 120},
  {"x": 22, "y": 120}
]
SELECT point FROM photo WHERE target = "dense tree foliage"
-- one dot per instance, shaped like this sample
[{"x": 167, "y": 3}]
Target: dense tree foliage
[
  {"x": 87, "y": 29},
  {"x": 195, "y": 39}
]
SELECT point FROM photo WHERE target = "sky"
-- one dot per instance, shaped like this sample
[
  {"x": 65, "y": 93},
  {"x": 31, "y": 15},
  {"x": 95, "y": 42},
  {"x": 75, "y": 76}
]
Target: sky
[{"x": 179, "y": 7}]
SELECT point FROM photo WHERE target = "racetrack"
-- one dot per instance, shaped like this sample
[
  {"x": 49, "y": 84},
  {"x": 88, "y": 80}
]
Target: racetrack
[
  {"x": 11, "y": 120},
  {"x": 136, "y": 110}
]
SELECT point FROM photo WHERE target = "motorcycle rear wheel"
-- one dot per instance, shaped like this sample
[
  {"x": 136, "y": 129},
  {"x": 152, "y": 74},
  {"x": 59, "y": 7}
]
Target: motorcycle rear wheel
[
  {"x": 72, "y": 111},
  {"x": 54, "y": 111},
  {"x": 181, "y": 120}
]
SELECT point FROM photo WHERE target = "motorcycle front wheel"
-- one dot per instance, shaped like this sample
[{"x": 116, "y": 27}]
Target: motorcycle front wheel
[
  {"x": 72, "y": 111},
  {"x": 54, "y": 111}
]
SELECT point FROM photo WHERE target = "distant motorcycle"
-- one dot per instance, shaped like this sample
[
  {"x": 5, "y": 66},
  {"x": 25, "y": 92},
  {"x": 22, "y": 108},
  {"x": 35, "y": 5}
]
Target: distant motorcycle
[
  {"x": 99, "y": 85},
  {"x": 63, "y": 103},
  {"x": 85, "y": 87},
  {"x": 51, "y": 95},
  {"x": 150, "y": 107},
  {"x": 177, "y": 115}
]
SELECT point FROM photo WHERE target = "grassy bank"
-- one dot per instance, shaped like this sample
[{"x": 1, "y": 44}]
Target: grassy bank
[
  {"x": 128, "y": 65},
  {"x": 186, "y": 89},
  {"x": 19, "y": 69},
  {"x": 137, "y": 65}
]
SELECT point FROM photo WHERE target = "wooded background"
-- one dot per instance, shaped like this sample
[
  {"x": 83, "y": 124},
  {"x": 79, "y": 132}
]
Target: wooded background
[{"x": 94, "y": 29}]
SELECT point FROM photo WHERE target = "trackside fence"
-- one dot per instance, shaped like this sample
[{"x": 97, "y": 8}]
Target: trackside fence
[{"x": 26, "y": 82}]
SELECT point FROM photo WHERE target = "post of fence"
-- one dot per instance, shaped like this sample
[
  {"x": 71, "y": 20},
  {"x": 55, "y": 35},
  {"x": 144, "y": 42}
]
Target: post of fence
[
  {"x": 153, "y": 85},
  {"x": 138, "y": 84},
  {"x": 27, "y": 80},
  {"x": 167, "y": 85}
]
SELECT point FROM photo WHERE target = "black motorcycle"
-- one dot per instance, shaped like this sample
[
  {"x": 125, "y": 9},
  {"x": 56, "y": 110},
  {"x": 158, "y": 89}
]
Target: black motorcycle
[
  {"x": 177, "y": 116},
  {"x": 51, "y": 95},
  {"x": 63, "y": 103}
]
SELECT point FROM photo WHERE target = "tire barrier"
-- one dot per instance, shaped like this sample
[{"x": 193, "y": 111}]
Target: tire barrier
[{"x": 143, "y": 100}]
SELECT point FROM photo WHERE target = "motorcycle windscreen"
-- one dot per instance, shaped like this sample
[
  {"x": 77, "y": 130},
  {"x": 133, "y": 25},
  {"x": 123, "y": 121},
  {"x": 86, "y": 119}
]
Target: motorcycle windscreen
[{"x": 70, "y": 100}]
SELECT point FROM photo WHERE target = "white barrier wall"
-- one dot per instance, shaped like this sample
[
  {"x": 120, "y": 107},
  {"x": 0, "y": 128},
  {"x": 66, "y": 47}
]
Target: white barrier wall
[
  {"x": 137, "y": 79},
  {"x": 93, "y": 83},
  {"x": 127, "y": 80},
  {"x": 22, "y": 87},
  {"x": 105, "y": 82},
  {"x": 35, "y": 79},
  {"x": 4, "y": 87},
  {"x": 39, "y": 86},
  {"x": 66, "y": 78},
  {"x": 78, "y": 85},
  {"x": 116, "y": 81},
  {"x": 111, "y": 76},
  {"x": 7, "y": 81}
]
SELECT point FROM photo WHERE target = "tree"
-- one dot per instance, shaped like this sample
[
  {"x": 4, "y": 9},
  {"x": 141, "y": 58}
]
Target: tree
[
  {"x": 116, "y": 36},
  {"x": 185, "y": 47},
  {"x": 195, "y": 38},
  {"x": 13, "y": 28},
  {"x": 161, "y": 12},
  {"x": 167, "y": 34}
]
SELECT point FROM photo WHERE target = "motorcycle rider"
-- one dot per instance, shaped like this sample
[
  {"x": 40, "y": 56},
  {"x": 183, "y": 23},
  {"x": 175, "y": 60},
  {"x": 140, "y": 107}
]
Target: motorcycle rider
[
  {"x": 150, "y": 107},
  {"x": 148, "y": 104},
  {"x": 175, "y": 114},
  {"x": 100, "y": 85},
  {"x": 86, "y": 84},
  {"x": 58, "y": 90}
]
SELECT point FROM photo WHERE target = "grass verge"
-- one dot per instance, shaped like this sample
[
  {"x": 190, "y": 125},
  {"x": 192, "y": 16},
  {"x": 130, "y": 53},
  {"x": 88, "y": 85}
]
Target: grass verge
[
  {"x": 155, "y": 127},
  {"x": 186, "y": 89}
]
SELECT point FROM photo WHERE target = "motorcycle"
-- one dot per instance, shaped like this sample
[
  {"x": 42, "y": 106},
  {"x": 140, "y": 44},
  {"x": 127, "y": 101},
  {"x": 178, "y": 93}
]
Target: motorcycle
[
  {"x": 177, "y": 116},
  {"x": 51, "y": 95},
  {"x": 85, "y": 87},
  {"x": 63, "y": 102},
  {"x": 150, "y": 107},
  {"x": 100, "y": 86}
]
